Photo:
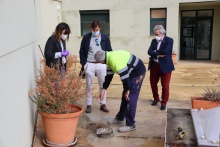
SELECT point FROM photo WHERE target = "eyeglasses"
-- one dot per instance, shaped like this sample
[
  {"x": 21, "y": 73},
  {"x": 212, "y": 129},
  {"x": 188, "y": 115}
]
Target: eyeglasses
[{"x": 97, "y": 41}]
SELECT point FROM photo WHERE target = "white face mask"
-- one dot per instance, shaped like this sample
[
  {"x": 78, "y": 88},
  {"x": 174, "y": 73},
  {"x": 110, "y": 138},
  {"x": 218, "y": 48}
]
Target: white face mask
[
  {"x": 158, "y": 38},
  {"x": 64, "y": 36},
  {"x": 95, "y": 33}
]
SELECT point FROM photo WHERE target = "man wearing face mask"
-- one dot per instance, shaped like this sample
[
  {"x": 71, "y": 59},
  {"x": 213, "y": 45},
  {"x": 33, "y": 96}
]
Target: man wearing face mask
[
  {"x": 160, "y": 65},
  {"x": 55, "y": 48},
  {"x": 91, "y": 43}
]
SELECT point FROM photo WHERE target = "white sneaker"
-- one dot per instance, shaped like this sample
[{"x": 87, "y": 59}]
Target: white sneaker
[
  {"x": 126, "y": 129},
  {"x": 115, "y": 121}
]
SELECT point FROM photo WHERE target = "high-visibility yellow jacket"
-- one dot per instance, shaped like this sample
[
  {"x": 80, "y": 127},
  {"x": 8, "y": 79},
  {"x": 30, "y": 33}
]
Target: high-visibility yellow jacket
[{"x": 125, "y": 64}]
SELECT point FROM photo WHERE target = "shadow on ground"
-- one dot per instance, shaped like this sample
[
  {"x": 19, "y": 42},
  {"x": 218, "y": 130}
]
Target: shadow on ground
[{"x": 189, "y": 79}]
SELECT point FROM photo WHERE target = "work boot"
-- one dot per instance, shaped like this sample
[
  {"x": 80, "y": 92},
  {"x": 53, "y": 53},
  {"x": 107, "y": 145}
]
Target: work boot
[
  {"x": 115, "y": 121},
  {"x": 126, "y": 129},
  {"x": 88, "y": 109},
  {"x": 104, "y": 108}
]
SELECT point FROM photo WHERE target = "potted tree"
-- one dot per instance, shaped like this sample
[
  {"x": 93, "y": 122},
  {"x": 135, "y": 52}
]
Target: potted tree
[{"x": 55, "y": 96}]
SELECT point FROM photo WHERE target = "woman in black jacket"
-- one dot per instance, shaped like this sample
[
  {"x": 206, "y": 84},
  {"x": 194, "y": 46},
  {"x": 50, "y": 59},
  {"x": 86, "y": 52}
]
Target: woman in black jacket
[{"x": 55, "y": 48}]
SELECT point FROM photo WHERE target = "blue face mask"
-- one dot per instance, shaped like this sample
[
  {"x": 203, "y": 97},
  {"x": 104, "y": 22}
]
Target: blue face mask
[{"x": 95, "y": 33}]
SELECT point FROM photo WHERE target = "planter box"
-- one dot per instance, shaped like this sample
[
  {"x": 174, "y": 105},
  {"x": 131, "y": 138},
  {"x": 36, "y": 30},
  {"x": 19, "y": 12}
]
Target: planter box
[
  {"x": 200, "y": 103},
  {"x": 174, "y": 58},
  {"x": 179, "y": 118}
]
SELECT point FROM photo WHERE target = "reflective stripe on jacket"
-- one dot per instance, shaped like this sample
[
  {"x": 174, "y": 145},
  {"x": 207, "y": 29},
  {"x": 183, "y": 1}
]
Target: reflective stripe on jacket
[{"x": 125, "y": 64}]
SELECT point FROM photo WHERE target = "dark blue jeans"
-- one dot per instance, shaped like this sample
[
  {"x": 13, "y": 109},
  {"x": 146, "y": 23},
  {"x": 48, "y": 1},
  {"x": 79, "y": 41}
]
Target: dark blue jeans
[{"x": 128, "y": 108}]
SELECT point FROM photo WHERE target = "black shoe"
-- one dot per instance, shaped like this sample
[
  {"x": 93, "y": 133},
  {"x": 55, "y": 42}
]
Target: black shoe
[
  {"x": 88, "y": 109},
  {"x": 163, "y": 107},
  {"x": 154, "y": 103},
  {"x": 104, "y": 108}
]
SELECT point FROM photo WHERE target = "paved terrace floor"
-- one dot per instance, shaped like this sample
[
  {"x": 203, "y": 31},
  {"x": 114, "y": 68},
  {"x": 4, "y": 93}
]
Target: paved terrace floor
[{"x": 189, "y": 79}]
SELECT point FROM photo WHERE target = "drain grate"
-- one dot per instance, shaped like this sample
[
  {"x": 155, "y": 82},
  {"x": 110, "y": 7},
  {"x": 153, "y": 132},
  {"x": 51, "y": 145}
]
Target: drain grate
[{"x": 179, "y": 128}]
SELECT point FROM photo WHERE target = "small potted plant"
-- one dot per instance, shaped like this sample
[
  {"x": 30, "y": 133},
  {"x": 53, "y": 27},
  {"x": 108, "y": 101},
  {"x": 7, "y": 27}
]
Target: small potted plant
[
  {"x": 55, "y": 96},
  {"x": 174, "y": 56},
  {"x": 209, "y": 99}
]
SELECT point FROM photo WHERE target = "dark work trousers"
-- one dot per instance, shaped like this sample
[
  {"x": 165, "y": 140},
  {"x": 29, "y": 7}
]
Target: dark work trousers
[
  {"x": 155, "y": 75},
  {"x": 128, "y": 108}
]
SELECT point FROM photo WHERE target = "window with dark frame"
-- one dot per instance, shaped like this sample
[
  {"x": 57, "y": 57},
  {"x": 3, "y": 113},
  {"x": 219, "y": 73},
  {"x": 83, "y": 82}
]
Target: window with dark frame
[
  {"x": 196, "y": 34},
  {"x": 89, "y": 15},
  {"x": 157, "y": 17}
]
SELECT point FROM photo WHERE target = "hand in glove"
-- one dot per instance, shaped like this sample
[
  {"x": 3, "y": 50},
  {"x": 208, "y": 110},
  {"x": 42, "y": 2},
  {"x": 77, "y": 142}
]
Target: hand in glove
[{"x": 65, "y": 53}]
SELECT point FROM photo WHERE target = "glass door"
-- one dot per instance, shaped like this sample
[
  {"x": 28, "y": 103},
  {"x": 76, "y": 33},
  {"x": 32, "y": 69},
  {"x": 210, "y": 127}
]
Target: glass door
[
  {"x": 196, "y": 35},
  {"x": 204, "y": 39},
  {"x": 188, "y": 24},
  {"x": 188, "y": 43}
]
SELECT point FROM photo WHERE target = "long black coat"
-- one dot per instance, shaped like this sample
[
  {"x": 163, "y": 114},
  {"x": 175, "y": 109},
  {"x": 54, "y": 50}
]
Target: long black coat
[{"x": 52, "y": 46}]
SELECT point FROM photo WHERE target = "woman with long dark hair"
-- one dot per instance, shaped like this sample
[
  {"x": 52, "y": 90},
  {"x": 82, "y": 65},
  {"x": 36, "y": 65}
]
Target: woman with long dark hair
[{"x": 55, "y": 48}]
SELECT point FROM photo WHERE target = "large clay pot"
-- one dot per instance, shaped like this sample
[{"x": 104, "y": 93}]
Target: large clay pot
[
  {"x": 60, "y": 128},
  {"x": 174, "y": 58},
  {"x": 200, "y": 103}
]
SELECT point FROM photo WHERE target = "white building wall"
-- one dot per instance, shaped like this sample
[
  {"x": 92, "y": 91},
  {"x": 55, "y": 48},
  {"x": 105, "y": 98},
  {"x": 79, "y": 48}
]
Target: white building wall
[
  {"x": 216, "y": 34},
  {"x": 129, "y": 23},
  {"x": 25, "y": 24}
]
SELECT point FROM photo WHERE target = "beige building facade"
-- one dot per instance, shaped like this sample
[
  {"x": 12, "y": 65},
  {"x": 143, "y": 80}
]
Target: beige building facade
[
  {"x": 129, "y": 25},
  {"x": 25, "y": 24}
]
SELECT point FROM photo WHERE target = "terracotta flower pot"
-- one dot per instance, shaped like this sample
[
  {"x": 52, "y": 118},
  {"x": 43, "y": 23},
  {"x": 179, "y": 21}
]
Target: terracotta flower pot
[
  {"x": 60, "y": 128},
  {"x": 174, "y": 58},
  {"x": 198, "y": 102}
]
